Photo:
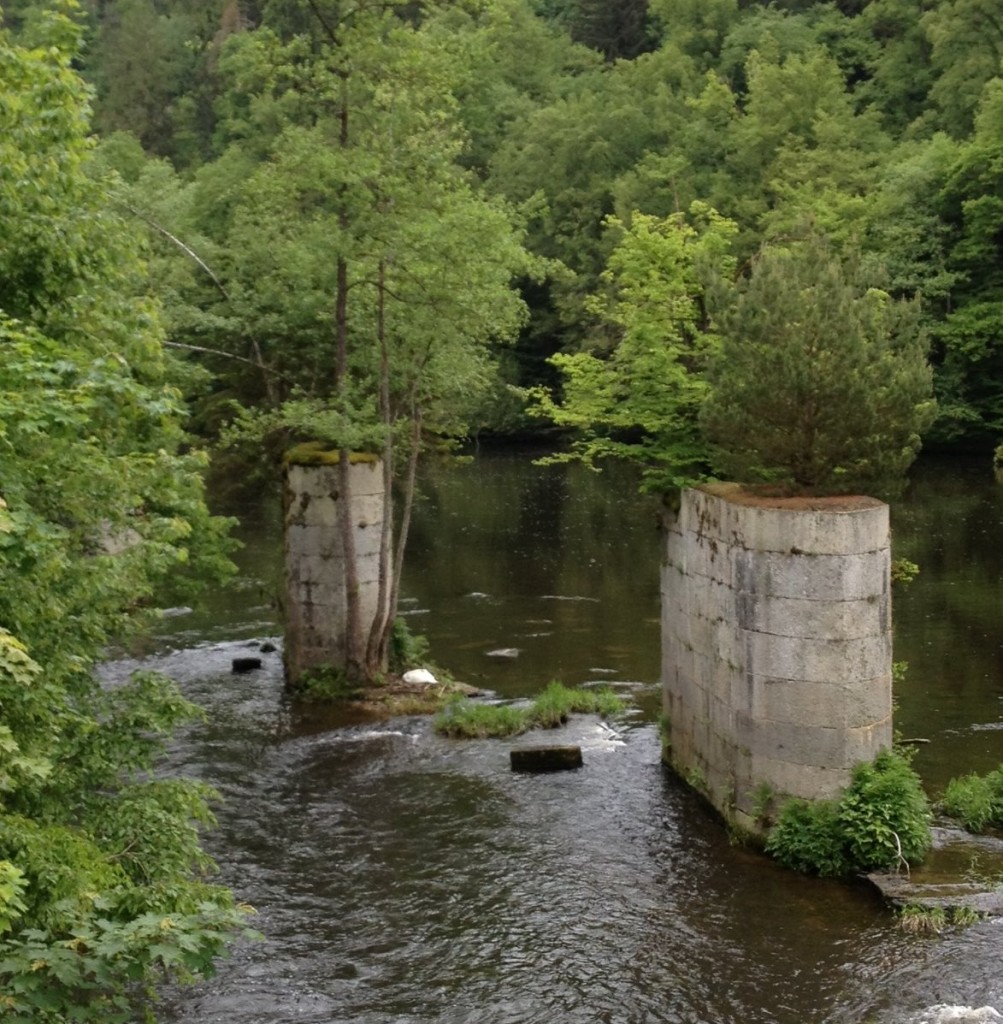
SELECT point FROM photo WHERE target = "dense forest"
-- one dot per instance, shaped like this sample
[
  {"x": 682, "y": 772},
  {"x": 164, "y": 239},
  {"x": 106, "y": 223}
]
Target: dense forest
[
  {"x": 389, "y": 226},
  {"x": 412, "y": 149}
]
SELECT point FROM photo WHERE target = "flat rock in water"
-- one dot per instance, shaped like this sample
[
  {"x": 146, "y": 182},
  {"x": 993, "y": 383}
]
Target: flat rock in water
[
  {"x": 504, "y": 653},
  {"x": 240, "y": 665},
  {"x": 946, "y": 894},
  {"x": 960, "y": 1015},
  {"x": 552, "y": 758}
]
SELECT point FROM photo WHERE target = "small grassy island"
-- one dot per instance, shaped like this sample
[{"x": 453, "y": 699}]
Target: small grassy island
[{"x": 462, "y": 717}]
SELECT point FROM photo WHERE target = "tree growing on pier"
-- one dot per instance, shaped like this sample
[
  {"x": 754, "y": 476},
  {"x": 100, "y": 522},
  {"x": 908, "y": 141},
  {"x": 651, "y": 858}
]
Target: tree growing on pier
[
  {"x": 821, "y": 384},
  {"x": 381, "y": 276}
]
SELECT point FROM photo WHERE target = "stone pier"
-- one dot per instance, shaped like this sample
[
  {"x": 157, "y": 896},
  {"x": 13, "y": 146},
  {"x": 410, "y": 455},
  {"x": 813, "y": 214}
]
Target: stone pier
[
  {"x": 776, "y": 640},
  {"x": 316, "y": 605}
]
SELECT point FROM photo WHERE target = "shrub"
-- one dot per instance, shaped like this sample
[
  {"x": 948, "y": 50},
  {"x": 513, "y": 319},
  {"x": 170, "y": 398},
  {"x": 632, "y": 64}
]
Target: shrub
[
  {"x": 885, "y": 815},
  {"x": 881, "y": 822},
  {"x": 807, "y": 837},
  {"x": 407, "y": 649}
]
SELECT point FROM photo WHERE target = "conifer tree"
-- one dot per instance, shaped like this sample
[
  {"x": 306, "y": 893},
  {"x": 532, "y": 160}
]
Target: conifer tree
[{"x": 822, "y": 383}]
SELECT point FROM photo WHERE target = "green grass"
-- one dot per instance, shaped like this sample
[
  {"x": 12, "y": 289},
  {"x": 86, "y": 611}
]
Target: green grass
[
  {"x": 922, "y": 920},
  {"x": 469, "y": 720},
  {"x": 976, "y": 800},
  {"x": 552, "y": 708},
  {"x": 919, "y": 920}
]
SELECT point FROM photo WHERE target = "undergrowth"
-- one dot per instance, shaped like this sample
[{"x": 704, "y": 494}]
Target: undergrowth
[
  {"x": 880, "y": 823},
  {"x": 976, "y": 801},
  {"x": 552, "y": 708},
  {"x": 917, "y": 919},
  {"x": 326, "y": 683},
  {"x": 407, "y": 649}
]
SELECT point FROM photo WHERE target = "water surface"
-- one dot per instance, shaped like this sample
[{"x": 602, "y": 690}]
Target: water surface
[{"x": 402, "y": 877}]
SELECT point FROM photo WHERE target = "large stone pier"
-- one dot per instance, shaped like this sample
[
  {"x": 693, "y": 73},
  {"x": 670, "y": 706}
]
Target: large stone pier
[
  {"x": 776, "y": 638},
  {"x": 316, "y": 598}
]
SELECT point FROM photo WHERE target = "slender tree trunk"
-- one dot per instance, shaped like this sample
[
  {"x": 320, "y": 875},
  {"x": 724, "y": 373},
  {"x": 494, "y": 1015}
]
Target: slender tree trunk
[
  {"x": 410, "y": 482},
  {"x": 354, "y": 645},
  {"x": 378, "y": 647},
  {"x": 353, "y": 619}
]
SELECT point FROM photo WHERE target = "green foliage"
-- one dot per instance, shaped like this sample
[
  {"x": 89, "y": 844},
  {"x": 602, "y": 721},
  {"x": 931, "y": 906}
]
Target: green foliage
[
  {"x": 104, "y": 887},
  {"x": 763, "y": 798},
  {"x": 326, "y": 683},
  {"x": 466, "y": 718},
  {"x": 880, "y": 823},
  {"x": 965, "y": 917},
  {"x": 551, "y": 709},
  {"x": 903, "y": 571},
  {"x": 407, "y": 649},
  {"x": 821, "y": 383},
  {"x": 920, "y": 919},
  {"x": 884, "y": 814},
  {"x": 807, "y": 838},
  {"x": 976, "y": 800},
  {"x": 970, "y": 372},
  {"x": 697, "y": 780},
  {"x": 641, "y": 400}
]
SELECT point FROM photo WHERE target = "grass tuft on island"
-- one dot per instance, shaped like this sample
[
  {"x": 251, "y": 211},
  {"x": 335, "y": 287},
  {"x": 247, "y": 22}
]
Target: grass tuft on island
[
  {"x": 976, "y": 801},
  {"x": 475, "y": 720}
]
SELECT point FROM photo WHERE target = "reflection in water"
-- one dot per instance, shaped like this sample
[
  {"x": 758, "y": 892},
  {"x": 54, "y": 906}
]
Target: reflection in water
[{"x": 402, "y": 877}]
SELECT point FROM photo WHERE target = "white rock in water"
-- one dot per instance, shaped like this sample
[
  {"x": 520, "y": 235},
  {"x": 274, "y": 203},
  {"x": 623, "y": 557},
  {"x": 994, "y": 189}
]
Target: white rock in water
[
  {"x": 419, "y": 675},
  {"x": 961, "y": 1015},
  {"x": 504, "y": 652}
]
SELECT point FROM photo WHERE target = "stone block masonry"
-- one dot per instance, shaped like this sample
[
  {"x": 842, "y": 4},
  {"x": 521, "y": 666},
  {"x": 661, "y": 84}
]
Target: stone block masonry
[
  {"x": 316, "y": 604},
  {"x": 776, "y": 644}
]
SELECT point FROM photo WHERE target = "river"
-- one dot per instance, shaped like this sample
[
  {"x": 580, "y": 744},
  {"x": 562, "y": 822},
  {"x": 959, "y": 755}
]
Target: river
[{"x": 401, "y": 877}]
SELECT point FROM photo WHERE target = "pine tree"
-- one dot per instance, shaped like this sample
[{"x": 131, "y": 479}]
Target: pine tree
[{"x": 822, "y": 384}]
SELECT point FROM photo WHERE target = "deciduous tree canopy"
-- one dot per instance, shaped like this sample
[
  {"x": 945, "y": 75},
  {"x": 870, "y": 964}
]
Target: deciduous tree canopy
[{"x": 103, "y": 884}]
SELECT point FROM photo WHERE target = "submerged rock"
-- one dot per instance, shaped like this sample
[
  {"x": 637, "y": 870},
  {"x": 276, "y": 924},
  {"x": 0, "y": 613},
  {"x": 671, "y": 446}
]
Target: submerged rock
[
  {"x": 944, "y": 894},
  {"x": 504, "y": 653},
  {"x": 553, "y": 758}
]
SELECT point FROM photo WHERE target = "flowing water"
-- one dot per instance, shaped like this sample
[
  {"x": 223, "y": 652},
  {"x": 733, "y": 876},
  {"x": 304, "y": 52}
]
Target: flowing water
[{"x": 402, "y": 877}]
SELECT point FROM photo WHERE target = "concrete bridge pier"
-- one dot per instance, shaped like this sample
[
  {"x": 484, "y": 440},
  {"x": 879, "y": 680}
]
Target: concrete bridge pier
[
  {"x": 315, "y": 592},
  {"x": 776, "y": 645}
]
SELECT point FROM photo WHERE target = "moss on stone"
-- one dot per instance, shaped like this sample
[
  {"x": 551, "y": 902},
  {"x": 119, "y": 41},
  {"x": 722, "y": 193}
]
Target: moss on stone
[{"x": 317, "y": 453}]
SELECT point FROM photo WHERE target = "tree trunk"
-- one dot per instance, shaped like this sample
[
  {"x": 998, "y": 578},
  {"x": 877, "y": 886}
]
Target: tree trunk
[
  {"x": 379, "y": 635},
  {"x": 353, "y": 624}
]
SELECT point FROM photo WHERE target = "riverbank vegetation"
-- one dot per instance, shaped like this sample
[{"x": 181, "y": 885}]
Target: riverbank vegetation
[
  {"x": 976, "y": 801},
  {"x": 388, "y": 228},
  {"x": 104, "y": 888},
  {"x": 473, "y": 719},
  {"x": 918, "y": 919},
  {"x": 881, "y": 822}
]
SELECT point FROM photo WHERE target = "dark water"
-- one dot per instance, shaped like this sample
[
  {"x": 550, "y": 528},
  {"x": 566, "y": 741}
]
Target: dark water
[{"x": 400, "y": 877}]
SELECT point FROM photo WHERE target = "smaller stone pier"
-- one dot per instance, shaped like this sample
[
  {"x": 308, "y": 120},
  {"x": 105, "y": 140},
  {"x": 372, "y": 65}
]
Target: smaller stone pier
[
  {"x": 316, "y": 604},
  {"x": 776, "y": 641}
]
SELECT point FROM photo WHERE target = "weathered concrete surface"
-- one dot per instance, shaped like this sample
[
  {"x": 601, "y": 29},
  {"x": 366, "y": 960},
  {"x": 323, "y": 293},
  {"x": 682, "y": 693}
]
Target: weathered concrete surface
[
  {"x": 776, "y": 644},
  {"x": 316, "y": 603},
  {"x": 946, "y": 894}
]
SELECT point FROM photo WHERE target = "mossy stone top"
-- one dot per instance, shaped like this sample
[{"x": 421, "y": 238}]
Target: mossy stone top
[{"x": 318, "y": 453}]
